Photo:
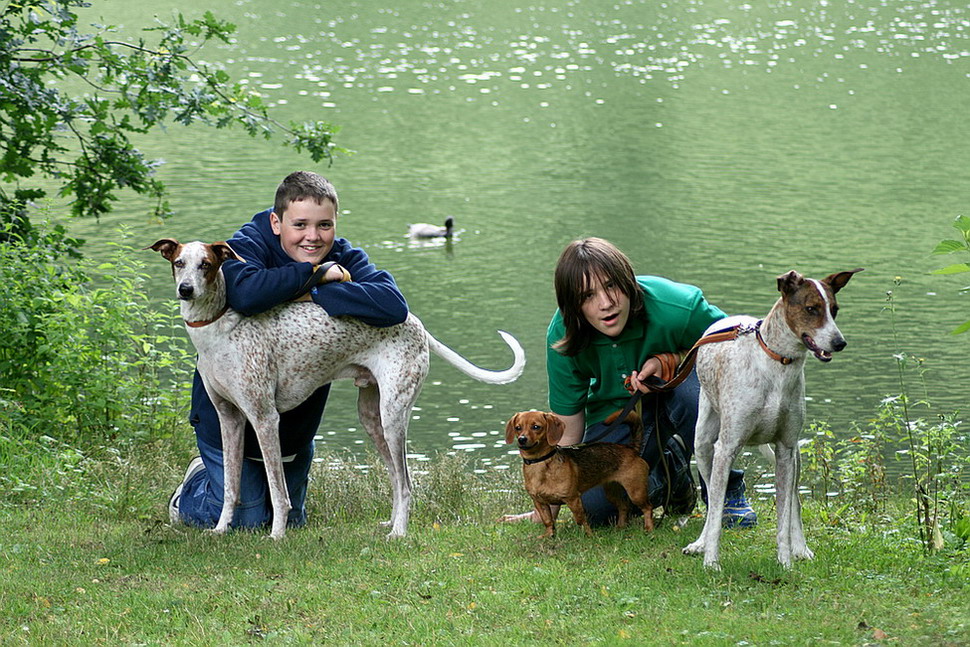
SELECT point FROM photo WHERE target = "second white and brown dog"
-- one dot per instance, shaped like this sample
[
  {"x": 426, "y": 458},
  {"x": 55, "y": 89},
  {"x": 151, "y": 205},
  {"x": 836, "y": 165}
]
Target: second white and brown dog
[{"x": 753, "y": 393}]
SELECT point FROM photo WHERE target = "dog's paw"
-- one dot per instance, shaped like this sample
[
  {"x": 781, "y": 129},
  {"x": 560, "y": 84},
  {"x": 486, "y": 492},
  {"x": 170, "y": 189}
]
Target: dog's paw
[{"x": 695, "y": 548}]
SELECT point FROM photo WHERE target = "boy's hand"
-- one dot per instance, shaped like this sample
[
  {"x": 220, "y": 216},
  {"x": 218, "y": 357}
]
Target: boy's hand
[{"x": 334, "y": 273}]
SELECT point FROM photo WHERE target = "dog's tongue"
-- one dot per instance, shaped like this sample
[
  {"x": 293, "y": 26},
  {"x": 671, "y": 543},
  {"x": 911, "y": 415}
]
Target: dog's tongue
[{"x": 820, "y": 355}]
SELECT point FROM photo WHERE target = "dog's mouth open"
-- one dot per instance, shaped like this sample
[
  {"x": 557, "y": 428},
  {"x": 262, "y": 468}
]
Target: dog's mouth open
[{"x": 820, "y": 355}]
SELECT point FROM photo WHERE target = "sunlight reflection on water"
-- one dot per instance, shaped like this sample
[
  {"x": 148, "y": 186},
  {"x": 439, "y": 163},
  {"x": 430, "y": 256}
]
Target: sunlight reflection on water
[{"x": 719, "y": 143}]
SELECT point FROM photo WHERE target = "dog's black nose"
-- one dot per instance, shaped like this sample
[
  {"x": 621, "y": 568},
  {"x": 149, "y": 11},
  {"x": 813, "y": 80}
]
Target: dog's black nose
[
  {"x": 185, "y": 291},
  {"x": 839, "y": 344},
  {"x": 523, "y": 440}
]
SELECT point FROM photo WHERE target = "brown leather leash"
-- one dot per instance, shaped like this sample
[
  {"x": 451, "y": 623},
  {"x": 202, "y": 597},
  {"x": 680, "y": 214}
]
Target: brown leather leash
[
  {"x": 686, "y": 365},
  {"x": 728, "y": 334}
]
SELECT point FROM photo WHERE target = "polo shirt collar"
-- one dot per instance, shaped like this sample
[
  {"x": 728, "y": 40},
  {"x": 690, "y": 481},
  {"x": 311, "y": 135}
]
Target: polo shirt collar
[{"x": 636, "y": 328}]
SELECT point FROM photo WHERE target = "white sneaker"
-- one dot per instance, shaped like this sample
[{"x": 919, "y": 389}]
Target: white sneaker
[{"x": 195, "y": 466}]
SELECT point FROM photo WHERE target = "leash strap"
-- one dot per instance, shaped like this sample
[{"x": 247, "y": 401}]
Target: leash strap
[
  {"x": 318, "y": 273},
  {"x": 686, "y": 365},
  {"x": 728, "y": 334},
  {"x": 630, "y": 406}
]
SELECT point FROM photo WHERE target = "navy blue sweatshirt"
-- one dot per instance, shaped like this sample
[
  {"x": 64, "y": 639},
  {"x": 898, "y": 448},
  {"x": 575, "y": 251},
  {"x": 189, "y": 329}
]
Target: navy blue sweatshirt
[{"x": 270, "y": 277}]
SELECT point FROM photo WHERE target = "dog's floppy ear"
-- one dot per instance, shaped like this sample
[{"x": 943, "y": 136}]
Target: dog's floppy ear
[
  {"x": 554, "y": 428},
  {"x": 224, "y": 252},
  {"x": 788, "y": 283},
  {"x": 839, "y": 279},
  {"x": 510, "y": 429},
  {"x": 166, "y": 247}
]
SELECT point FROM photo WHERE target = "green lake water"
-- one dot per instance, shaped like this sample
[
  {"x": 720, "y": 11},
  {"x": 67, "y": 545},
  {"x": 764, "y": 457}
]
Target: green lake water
[{"x": 719, "y": 143}]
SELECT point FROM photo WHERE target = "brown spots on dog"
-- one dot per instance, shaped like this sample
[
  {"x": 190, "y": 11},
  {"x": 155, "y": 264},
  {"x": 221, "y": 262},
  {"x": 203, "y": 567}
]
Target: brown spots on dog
[{"x": 806, "y": 304}]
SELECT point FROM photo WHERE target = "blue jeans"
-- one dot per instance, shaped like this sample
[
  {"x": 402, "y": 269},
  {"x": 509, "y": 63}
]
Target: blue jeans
[
  {"x": 201, "y": 501},
  {"x": 675, "y": 413}
]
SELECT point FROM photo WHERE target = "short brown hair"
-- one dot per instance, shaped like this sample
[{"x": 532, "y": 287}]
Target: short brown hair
[
  {"x": 579, "y": 263},
  {"x": 304, "y": 185}
]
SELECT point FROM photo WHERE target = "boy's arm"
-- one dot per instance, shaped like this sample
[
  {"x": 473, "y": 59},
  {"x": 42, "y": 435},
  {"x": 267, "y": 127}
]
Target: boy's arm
[
  {"x": 252, "y": 287},
  {"x": 371, "y": 295}
]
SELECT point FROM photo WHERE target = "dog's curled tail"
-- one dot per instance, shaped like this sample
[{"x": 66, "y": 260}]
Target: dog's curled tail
[
  {"x": 634, "y": 422},
  {"x": 483, "y": 375}
]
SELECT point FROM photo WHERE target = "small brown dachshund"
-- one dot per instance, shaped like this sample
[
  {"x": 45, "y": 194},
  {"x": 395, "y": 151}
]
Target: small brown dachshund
[{"x": 556, "y": 475}]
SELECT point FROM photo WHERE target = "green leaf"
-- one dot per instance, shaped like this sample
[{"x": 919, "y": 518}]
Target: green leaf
[
  {"x": 962, "y": 328},
  {"x": 963, "y": 224},
  {"x": 953, "y": 269},
  {"x": 950, "y": 246}
]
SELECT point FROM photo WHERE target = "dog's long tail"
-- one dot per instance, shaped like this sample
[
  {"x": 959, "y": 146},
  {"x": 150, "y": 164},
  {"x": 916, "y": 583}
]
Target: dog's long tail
[
  {"x": 768, "y": 453},
  {"x": 483, "y": 375}
]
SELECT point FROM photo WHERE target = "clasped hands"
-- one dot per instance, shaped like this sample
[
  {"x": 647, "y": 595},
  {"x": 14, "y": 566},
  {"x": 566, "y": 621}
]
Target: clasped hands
[
  {"x": 330, "y": 272},
  {"x": 333, "y": 272}
]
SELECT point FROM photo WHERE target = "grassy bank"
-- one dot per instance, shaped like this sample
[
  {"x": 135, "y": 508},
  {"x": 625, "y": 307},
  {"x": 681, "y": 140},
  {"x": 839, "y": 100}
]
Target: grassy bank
[{"x": 89, "y": 557}]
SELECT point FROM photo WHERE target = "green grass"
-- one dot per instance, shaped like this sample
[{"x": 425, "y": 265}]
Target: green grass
[{"x": 89, "y": 562}]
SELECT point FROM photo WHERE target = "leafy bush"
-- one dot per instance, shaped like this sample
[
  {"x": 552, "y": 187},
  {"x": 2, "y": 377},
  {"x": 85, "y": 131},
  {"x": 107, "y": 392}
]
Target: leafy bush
[{"x": 84, "y": 355}]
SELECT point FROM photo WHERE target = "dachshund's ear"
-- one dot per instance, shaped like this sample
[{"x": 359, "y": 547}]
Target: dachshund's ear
[
  {"x": 510, "y": 429},
  {"x": 554, "y": 428}
]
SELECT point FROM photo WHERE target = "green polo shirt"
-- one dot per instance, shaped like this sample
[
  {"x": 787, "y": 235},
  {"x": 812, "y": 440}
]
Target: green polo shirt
[{"x": 676, "y": 315}]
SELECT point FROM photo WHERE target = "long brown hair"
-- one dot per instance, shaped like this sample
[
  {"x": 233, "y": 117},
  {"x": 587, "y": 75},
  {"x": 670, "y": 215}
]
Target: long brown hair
[{"x": 579, "y": 263}]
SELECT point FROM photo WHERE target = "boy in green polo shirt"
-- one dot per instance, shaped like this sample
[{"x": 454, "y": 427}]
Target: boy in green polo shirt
[{"x": 614, "y": 328}]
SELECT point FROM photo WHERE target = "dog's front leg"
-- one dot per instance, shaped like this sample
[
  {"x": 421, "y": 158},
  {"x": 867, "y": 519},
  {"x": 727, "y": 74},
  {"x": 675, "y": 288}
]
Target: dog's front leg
[
  {"x": 232, "y": 425},
  {"x": 548, "y": 520},
  {"x": 706, "y": 433},
  {"x": 266, "y": 426}
]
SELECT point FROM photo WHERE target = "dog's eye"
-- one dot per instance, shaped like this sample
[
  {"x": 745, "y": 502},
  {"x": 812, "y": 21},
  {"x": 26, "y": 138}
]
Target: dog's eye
[
  {"x": 518, "y": 427},
  {"x": 204, "y": 265},
  {"x": 812, "y": 310},
  {"x": 835, "y": 311},
  {"x": 536, "y": 427},
  {"x": 179, "y": 263}
]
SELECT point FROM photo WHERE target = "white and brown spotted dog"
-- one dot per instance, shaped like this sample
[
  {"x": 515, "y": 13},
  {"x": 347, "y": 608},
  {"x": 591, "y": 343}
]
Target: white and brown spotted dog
[
  {"x": 256, "y": 367},
  {"x": 753, "y": 393}
]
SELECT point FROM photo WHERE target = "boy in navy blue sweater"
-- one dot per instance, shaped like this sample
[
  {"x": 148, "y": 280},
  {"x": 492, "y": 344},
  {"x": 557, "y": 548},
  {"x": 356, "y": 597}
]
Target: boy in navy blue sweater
[{"x": 281, "y": 246}]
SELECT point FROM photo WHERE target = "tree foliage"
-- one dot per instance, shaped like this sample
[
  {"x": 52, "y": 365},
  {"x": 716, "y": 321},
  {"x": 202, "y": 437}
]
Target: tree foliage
[{"x": 70, "y": 103}]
